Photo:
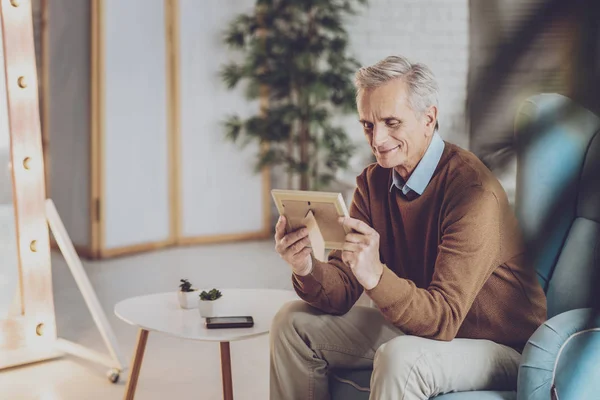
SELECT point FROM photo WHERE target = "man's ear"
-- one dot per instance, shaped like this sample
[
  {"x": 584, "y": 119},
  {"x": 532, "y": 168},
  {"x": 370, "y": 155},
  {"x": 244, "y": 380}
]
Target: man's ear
[{"x": 431, "y": 119}]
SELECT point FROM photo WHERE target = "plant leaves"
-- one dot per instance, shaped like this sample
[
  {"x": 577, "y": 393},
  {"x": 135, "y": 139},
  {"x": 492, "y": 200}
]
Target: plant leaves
[{"x": 295, "y": 52}]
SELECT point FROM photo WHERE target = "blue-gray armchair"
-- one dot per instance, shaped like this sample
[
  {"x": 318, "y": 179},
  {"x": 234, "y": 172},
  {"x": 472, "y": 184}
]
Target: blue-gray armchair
[{"x": 558, "y": 206}]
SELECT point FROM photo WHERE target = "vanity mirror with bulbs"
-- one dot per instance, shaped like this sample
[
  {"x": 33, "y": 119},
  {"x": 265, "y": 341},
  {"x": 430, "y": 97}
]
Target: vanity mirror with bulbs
[
  {"x": 27, "y": 317},
  {"x": 27, "y": 324}
]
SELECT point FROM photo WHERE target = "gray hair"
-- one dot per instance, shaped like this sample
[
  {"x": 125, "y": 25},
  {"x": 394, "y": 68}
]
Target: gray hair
[{"x": 419, "y": 78}]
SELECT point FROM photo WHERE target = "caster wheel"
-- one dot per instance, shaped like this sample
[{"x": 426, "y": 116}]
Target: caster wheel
[{"x": 113, "y": 375}]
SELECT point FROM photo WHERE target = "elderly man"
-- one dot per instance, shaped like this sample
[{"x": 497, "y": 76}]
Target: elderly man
[{"x": 434, "y": 244}]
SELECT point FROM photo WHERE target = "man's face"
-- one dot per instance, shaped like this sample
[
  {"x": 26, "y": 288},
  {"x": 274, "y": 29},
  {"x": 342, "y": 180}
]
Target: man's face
[{"x": 398, "y": 136}]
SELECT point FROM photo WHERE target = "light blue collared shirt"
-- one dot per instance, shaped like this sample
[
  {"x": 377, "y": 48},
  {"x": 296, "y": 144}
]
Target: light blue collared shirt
[{"x": 422, "y": 174}]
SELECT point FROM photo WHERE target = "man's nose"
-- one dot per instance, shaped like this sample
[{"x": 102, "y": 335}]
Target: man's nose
[{"x": 380, "y": 135}]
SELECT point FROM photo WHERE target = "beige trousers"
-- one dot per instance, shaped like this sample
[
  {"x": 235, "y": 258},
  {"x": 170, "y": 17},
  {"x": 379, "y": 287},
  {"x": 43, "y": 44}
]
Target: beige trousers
[{"x": 306, "y": 344}]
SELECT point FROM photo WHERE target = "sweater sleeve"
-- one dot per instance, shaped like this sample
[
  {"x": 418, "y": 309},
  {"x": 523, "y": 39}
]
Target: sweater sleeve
[
  {"x": 467, "y": 255},
  {"x": 332, "y": 287}
]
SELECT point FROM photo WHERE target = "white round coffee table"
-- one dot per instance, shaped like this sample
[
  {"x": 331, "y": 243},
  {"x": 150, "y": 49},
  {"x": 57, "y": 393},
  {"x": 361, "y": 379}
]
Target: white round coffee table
[{"x": 161, "y": 313}]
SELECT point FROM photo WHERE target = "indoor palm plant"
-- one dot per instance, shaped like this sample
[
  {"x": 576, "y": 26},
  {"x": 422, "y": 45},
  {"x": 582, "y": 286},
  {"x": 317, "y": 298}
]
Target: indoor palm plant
[{"x": 295, "y": 61}]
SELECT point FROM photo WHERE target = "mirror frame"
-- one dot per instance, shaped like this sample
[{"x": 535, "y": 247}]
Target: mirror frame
[{"x": 30, "y": 336}]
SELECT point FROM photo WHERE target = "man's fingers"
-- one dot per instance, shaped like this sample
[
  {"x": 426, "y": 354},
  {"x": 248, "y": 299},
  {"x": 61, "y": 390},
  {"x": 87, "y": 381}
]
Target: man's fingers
[
  {"x": 348, "y": 257},
  {"x": 357, "y": 225},
  {"x": 352, "y": 247},
  {"x": 280, "y": 228},
  {"x": 293, "y": 237},
  {"x": 357, "y": 238},
  {"x": 293, "y": 249},
  {"x": 300, "y": 245},
  {"x": 303, "y": 253}
]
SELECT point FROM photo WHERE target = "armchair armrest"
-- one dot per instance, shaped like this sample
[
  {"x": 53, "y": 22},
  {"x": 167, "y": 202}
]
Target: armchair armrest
[{"x": 562, "y": 359}]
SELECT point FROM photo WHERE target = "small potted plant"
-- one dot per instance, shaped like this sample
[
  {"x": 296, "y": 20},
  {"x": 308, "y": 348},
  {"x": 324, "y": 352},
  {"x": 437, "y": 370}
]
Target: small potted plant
[
  {"x": 207, "y": 301},
  {"x": 188, "y": 296}
]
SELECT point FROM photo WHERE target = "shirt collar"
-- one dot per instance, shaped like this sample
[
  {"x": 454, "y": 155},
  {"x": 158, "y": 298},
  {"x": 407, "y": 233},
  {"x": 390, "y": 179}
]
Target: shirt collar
[{"x": 423, "y": 173}]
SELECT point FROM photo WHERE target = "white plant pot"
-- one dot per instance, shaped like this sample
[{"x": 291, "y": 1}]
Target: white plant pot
[
  {"x": 188, "y": 300},
  {"x": 208, "y": 308}
]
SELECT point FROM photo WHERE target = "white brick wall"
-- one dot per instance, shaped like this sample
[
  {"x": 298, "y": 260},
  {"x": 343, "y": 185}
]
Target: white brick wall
[{"x": 434, "y": 32}]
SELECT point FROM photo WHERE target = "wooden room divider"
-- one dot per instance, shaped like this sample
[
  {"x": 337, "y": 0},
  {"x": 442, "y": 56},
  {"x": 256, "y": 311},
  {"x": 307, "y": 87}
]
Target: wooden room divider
[{"x": 144, "y": 164}]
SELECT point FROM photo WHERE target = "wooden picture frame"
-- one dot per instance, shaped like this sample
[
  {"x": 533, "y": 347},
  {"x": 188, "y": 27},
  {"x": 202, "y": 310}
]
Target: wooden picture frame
[{"x": 318, "y": 211}]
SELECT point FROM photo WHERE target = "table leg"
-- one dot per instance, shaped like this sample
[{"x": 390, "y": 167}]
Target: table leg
[
  {"x": 138, "y": 356},
  {"x": 226, "y": 371}
]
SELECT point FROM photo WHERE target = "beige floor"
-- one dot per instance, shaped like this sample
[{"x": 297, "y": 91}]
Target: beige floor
[{"x": 172, "y": 369}]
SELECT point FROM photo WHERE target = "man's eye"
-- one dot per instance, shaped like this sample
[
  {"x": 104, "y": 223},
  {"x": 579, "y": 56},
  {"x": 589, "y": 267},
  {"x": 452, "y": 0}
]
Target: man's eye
[
  {"x": 392, "y": 123},
  {"x": 367, "y": 125}
]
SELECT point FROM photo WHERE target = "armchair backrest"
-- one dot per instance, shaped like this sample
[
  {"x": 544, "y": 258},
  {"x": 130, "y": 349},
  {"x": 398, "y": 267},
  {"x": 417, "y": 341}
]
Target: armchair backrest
[{"x": 558, "y": 197}]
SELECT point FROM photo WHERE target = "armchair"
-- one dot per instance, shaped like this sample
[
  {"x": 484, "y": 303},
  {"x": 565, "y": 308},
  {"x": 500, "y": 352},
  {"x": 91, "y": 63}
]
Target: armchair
[{"x": 558, "y": 207}]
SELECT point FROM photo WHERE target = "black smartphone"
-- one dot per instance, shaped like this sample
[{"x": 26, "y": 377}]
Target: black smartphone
[{"x": 229, "y": 322}]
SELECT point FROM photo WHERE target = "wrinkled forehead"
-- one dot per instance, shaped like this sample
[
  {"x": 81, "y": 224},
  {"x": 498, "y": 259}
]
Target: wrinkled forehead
[{"x": 386, "y": 100}]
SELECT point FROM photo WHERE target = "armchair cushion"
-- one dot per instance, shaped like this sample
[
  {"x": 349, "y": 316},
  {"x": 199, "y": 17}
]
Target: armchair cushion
[{"x": 562, "y": 355}]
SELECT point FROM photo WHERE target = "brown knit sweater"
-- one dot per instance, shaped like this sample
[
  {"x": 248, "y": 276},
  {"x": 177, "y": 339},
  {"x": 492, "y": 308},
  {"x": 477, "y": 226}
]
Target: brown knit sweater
[{"x": 454, "y": 262}]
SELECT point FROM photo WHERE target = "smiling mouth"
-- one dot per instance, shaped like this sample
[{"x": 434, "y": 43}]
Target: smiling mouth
[{"x": 387, "y": 150}]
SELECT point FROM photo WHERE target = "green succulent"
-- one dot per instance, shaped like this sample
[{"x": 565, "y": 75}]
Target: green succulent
[
  {"x": 185, "y": 286},
  {"x": 211, "y": 295}
]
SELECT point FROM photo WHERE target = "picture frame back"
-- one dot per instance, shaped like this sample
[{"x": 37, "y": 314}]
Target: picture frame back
[{"x": 326, "y": 208}]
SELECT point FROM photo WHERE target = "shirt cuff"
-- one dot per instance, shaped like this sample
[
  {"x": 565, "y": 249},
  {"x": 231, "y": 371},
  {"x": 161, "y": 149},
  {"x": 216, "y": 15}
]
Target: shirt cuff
[
  {"x": 310, "y": 283},
  {"x": 389, "y": 290}
]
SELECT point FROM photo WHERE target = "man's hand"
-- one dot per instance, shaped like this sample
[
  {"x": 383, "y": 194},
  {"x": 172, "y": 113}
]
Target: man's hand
[
  {"x": 361, "y": 252},
  {"x": 294, "y": 248}
]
